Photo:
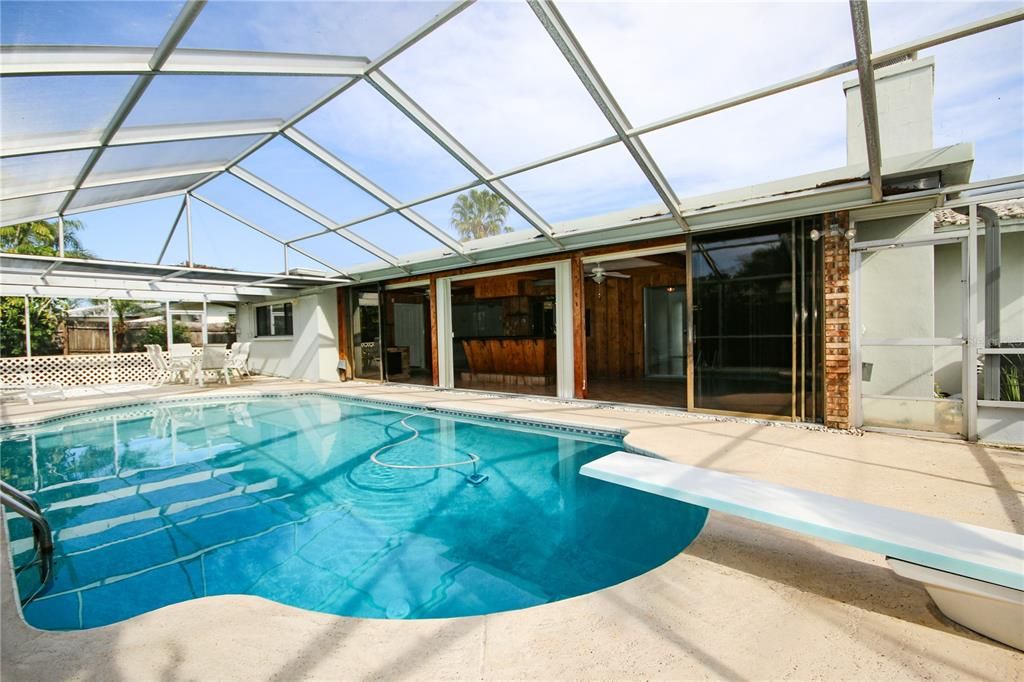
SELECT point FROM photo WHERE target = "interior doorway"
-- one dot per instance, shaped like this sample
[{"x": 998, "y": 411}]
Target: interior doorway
[
  {"x": 635, "y": 326},
  {"x": 407, "y": 350}
]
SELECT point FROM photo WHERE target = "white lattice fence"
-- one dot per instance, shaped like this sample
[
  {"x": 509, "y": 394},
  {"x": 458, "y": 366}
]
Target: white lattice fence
[{"x": 83, "y": 370}]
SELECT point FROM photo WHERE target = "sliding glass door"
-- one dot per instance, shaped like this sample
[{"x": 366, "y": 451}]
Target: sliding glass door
[
  {"x": 366, "y": 332},
  {"x": 756, "y": 321}
]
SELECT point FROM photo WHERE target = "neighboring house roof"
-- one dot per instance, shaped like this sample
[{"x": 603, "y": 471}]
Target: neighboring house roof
[{"x": 1012, "y": 209}]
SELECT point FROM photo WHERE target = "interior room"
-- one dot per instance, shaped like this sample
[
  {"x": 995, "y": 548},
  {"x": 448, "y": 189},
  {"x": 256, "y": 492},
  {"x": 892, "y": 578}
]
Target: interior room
[
  {"x": 407, "y": 333},
  {"x": 503, "y": 330},
  {"x": 636, "y": 328}
]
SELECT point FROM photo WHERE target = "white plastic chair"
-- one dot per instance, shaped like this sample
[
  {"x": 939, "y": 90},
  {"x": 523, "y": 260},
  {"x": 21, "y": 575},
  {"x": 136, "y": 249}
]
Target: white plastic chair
[
  {"x": 214, "y": 359},
  {"x": 156, "y": 357},
  {"x": 182, "y": 361},
  {"x": 238, "y": 360},
  {"x": 25, "y": 387}
]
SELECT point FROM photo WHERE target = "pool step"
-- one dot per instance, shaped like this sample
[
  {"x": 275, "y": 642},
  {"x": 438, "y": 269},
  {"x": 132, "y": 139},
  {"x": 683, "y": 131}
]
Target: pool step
[{"x": 143, "y": 505}]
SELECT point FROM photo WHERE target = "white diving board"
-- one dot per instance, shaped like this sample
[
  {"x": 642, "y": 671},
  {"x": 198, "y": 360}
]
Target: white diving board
[{"x": 952, "y": 549}]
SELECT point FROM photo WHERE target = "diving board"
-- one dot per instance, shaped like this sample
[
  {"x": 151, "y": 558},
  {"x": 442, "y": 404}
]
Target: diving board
[{"x": 982, "y": 565}]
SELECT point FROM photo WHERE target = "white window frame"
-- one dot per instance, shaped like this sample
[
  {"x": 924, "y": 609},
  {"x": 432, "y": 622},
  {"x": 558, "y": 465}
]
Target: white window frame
[{"x": 256, "y": 326}]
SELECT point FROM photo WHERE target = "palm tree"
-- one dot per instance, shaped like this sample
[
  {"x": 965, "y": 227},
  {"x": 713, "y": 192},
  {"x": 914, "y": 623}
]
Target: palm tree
[
  {"x": 122, "y": 308},
  {"x": 39, "y": 238},
  {"x": 49, "y": 316},
  {"x": 478, "y": 214}
]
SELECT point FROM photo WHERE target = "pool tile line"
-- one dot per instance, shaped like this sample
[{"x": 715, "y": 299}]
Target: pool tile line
[{"x": 171, "y": 401}]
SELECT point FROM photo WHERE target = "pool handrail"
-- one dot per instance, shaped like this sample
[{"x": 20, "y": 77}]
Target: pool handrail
[{"x": 25, "y": 506}]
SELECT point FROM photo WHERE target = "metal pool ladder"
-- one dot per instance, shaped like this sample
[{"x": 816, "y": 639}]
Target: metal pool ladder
[{"x": 15, "y": 500}]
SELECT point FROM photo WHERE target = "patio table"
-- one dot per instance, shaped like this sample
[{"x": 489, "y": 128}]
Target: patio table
[{"x": 212, "y": 359}]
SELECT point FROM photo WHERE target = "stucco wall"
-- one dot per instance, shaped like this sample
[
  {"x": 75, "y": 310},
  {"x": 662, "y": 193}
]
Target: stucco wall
[
  {"x": 310, "y": 354},
  {"x": 897, "y": 300},
  {"x": 904, "y": 93}
]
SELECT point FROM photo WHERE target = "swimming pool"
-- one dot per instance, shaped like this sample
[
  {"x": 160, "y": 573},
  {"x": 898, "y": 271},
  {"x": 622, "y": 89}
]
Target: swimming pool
[{"x": 319, "y": 502}]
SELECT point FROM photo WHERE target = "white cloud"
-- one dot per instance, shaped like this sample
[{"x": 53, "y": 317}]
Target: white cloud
[{"x": 494, "y": 78}]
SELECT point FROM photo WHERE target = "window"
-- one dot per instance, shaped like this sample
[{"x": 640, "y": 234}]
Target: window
[{"x": 274, "y": 320}]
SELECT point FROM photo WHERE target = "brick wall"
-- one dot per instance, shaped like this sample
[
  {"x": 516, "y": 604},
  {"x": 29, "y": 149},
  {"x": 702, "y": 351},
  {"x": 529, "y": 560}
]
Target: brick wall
[{"x": 837, "y": 324}]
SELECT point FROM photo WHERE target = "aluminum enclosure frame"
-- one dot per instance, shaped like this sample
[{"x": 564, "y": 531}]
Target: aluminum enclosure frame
[{"x": 19, "y": 61}]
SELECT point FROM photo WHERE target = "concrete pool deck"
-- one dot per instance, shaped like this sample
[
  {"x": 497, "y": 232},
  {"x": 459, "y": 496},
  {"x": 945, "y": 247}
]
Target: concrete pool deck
[{"x": 744, "y": 601}]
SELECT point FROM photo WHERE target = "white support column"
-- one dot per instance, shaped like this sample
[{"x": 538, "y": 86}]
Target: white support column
[
  {"x": 170, "y": 331},
  {"x": 188, "y": 227},
  {"x": 965, "y": 326},
  {"x": 110, "y": 340},
  {"x": 856, "y": 364},
  {"x": 563, "y": 328},
  {"x": 445, "y": 368},
  {"x": 205, "y": 327},
  {"x": 970, "y": 357},
  {"x": 285, "y": 248},
  {"x": 28, "y": 339},
  {"x": 60, "y": 236}
]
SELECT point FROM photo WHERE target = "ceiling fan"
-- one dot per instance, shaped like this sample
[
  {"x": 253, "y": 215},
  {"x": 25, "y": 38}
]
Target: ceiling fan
[{"x": 599, "y": 274}]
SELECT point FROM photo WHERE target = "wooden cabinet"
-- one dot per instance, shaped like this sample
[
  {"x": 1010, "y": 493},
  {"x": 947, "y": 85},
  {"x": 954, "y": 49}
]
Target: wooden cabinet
[{"x": 507, "y": 360}]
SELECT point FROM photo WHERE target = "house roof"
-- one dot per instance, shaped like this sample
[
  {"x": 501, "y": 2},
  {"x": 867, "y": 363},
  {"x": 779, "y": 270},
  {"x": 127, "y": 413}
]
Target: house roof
[{"x": 1011, "y": 209}]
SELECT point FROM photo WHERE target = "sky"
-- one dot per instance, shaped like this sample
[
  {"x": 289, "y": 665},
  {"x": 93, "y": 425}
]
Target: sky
[{"x": 493, "y": 77}]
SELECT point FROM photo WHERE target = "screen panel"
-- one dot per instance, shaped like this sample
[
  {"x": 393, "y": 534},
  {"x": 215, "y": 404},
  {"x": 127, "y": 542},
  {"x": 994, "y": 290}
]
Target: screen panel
[
  {"x": 340, "y": 28},
  {"x": 16, "y": 210},
  {"x": 510, "y": 96},
  {"x": 131, "y": 24},
  {"x": 40, "y": 172},
  {"x": 295, "y": 172},
  {"x": 95, "y": 196},
  {"x": 176, "y": 99},
  {"x": 168, "y": 156},
  {"x": 35, "y": 111},
  {"x": 595, "y": 183},
  {"x": 365, "y": 131}
]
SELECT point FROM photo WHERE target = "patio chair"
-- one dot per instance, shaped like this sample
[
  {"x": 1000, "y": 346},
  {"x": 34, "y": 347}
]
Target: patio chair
[
  {"x": 160, "y": 367},
  {"x": 238, "y": 360},
  {"x": 214, "y": 359},
  {"x": 23, "y": 386},
  {"x": 183, "y": 361}
]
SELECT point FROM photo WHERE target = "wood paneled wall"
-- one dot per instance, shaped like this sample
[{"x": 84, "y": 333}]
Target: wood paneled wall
[
  {"x": 615, "y": 344},
  {"x": 344, "y": 339}
]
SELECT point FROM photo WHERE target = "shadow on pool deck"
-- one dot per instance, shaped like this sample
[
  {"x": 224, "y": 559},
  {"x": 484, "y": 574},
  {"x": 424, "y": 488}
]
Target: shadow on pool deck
[{"x": 743, "y": 601}]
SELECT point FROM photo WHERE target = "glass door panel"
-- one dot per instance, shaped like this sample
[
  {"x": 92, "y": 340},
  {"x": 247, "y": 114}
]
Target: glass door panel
[
  {"x": 366, "y": 334},
  {"x": 665, "y": 332},
  {"x": 743, "y": 321}
]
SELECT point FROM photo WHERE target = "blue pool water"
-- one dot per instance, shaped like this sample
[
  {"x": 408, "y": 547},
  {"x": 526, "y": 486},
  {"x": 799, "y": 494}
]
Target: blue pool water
[{"x": 278, "y": 497}]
